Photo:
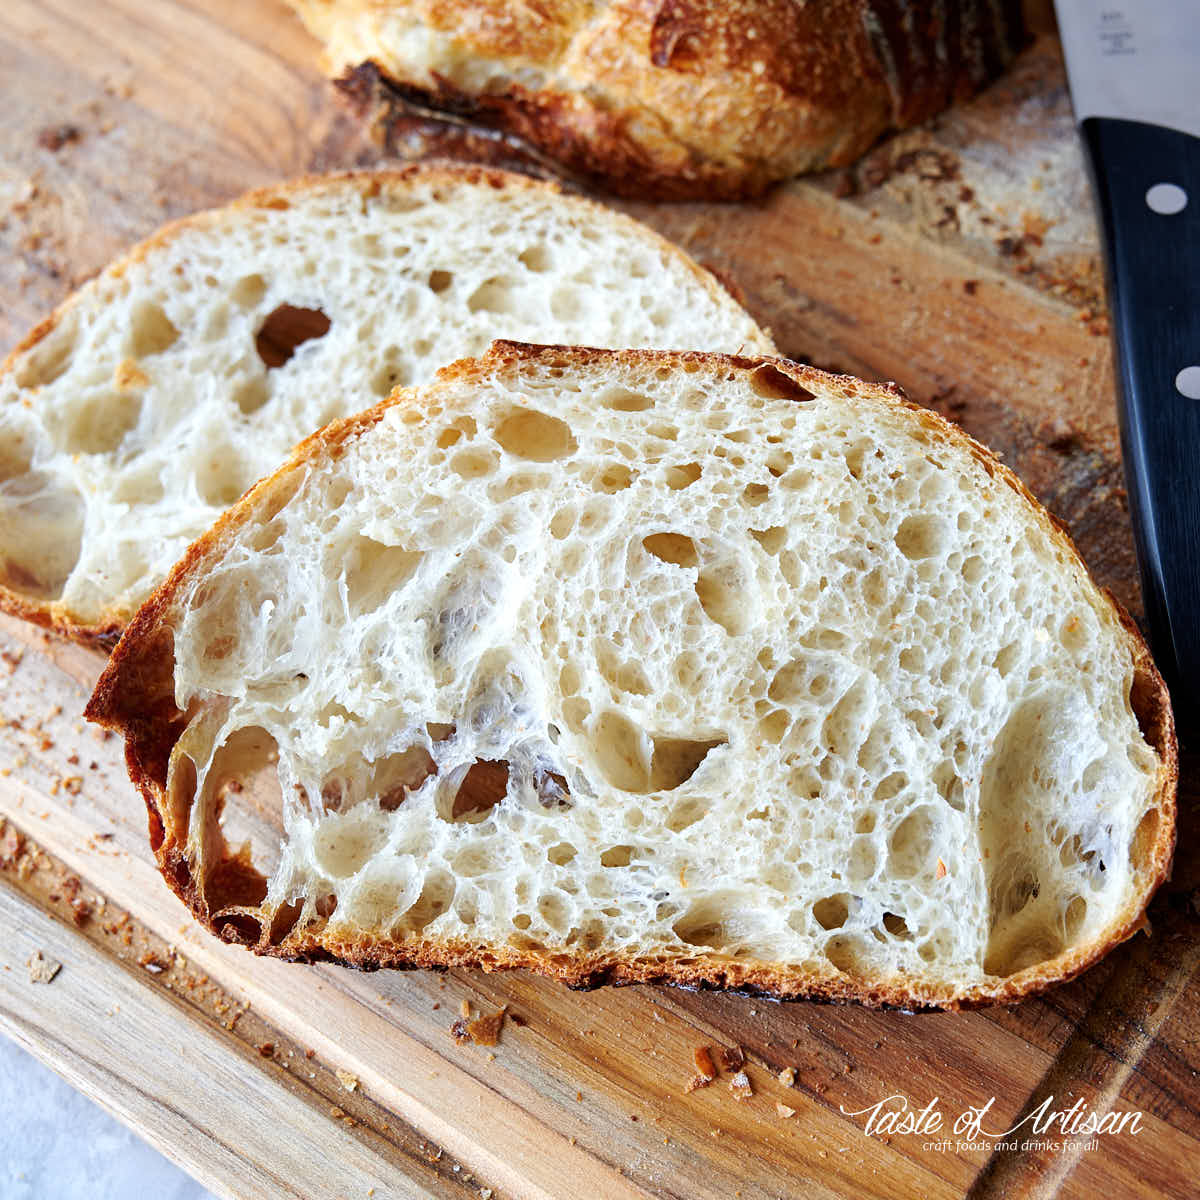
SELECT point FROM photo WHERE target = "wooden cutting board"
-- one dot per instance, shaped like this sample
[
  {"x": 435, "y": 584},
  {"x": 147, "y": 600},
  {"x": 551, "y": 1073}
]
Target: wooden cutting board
[{"x": 961, "y": 261}]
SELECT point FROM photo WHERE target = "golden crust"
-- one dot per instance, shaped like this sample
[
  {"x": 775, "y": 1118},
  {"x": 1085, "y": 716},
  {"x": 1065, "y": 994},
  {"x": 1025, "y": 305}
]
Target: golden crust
[
  {"x": 102, "y": 632},
  {"x": 135, "y": 697},
  {"x": 674, "y": 98}
]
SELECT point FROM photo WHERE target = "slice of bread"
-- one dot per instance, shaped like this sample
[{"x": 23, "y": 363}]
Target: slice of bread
[
  {"x": 163, "y": 389},
  {"x": 706, "y": 99},
  {"x": 639, "y": 666}
]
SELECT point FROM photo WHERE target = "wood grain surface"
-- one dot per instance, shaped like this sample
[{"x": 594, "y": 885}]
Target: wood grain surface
[{"x": 960, "y": 260}]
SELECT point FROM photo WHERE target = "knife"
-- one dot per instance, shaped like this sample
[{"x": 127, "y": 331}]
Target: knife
[{"x": 1134, "y": 71}]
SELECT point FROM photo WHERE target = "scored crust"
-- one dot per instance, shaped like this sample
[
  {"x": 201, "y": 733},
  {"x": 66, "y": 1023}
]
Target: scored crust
[
  {"x": 102, "y": 631},
  {"x": 135, "y": 697},
  {"x": 673, "y": 99}
]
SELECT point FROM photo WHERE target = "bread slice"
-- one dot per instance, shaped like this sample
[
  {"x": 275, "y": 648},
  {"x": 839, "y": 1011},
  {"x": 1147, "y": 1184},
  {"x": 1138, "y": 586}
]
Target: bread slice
[
  {"x": 640, "y": 666},
  {"x": 163, "y": 389},
  {"x": 706, "y": 99}
]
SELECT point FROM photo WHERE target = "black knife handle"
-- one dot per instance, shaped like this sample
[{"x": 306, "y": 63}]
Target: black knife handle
[{"x": 1153, "y": 260}]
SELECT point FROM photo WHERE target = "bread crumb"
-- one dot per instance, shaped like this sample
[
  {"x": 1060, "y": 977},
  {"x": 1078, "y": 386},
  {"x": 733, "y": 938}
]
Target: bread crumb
[
  {"x": 704, "y": 1063},
  {"x": 485, "y": 1031},
  {"x": 739, "y": 1085},
  {"x": 941, "y": 869},
  {"x": 346, "y": 1079},
  {"x": 266, "y": 1049},
  {"x": 732, "y": 1058},
  {"x": 42, "y": 969},
  {"x": 783, "y": 1110},
  {"x": 464, "y": 1009},
  {"x": 787, "y": 1076}
]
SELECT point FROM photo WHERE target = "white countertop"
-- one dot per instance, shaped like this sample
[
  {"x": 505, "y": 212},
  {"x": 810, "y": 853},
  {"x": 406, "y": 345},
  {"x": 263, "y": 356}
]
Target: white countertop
[{"x": 56, "y": 1144}]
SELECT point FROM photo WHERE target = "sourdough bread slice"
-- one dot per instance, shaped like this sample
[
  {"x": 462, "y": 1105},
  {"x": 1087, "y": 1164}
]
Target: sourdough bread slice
[
  {"x": 651, "y": 667},
  {"x": 163, "y": 389}
]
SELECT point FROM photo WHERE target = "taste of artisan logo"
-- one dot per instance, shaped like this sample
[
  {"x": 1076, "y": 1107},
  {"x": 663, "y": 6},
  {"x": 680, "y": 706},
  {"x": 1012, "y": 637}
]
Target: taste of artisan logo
[{"x": 1042, "y": 1128}]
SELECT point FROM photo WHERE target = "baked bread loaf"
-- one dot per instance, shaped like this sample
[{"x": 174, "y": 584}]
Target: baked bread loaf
[
  {"x": 165, "y": 387},
  {"x": 668, "y": 98},
  {"x": 640, "y": 666}
]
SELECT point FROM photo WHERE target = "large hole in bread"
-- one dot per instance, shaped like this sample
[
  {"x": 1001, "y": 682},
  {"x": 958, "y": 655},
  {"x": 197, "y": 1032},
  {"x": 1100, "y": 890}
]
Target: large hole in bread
[
  {"x": 101, "y": 422},
  {"x": 150, "y": 331},
  {"x": 374, "y": 571},
  {"x": 769, "y": 381},
  {"x": 640, "y": 762},
  {"x": 621, "y": 399},
  {"x": 674, "y": 548},
  {"x": 495, "y": 295},
  {"x": 537, "y": 436},
  {"x": 41, "y": 526},
  {"x": 725, "y": 594},
  {"x": 286, "y": 329},
  {"x": 481, "y": 788}
]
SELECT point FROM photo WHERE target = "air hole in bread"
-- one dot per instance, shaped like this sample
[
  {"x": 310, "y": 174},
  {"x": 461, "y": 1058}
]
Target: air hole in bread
[
  {"x": 101, "y": 422},
  {"x": 374, "y": 572},
  {"x": 769, "y": 381},
  {"x": 921, "y": 536},
  {"x": 911, "y": 847},
  {"x": 624, "y": 676},
  {"x": 561, "y": 854},
  {"x": 832, "y": 911},
  {"x": 896, "y": 926},
  {"x": 617, "y": 856},
  {"x": 474, "y": 463},
  {"x": 615, "y": 477},
  {"x": 436, "y": 897},
  {"x": 772, "y": 540},
  {"x": 240, "y": 927},
  {"x": 248, "y": 291},
  {"x": 701, "y": 925},
  {"x": 49, "y": 358},
  {"x": 481, "y": 788},
  {"x": 621, "y": 399},
  {"x": 1074, "y": 917},
  {"x": 848, "y": 955},
  {"x": 537, "y": 436},
  {"x": 755, "y": 493},
  {"x": 725, "y": 593},
  {"x": 285, "y": 330},
  {"x": 537, "y": 259},
  {"x": 251, "y": 395},
  {"x": 150, "y": 331},
  {"x": 454, "y": 432},
  {"x": 284, "y": 921},
  {"x": 440, "y": 281},
  {"x": 495, "y": 295},
  {"x": 675, "y": 548}
]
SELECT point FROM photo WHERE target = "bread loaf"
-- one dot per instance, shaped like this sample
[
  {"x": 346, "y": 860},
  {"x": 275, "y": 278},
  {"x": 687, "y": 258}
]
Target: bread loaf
[
  {"x": 667, "y": 98},
  {"x": 164, "y": 388},
  {"x": 639, "y": 666}
]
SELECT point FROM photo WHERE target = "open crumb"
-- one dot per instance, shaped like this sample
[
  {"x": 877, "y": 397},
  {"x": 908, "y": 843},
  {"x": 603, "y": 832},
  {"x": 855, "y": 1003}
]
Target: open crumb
[
  {"x": 346, "y": 1079},
  {"x": 42, "y": 969},
  {"x": 739, "y": 1085},
  {"x": 787, "y": 1076}
]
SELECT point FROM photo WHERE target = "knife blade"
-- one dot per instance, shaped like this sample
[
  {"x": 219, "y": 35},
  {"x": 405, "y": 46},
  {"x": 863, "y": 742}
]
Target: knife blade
[{"x": 1134, "y": 71}]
